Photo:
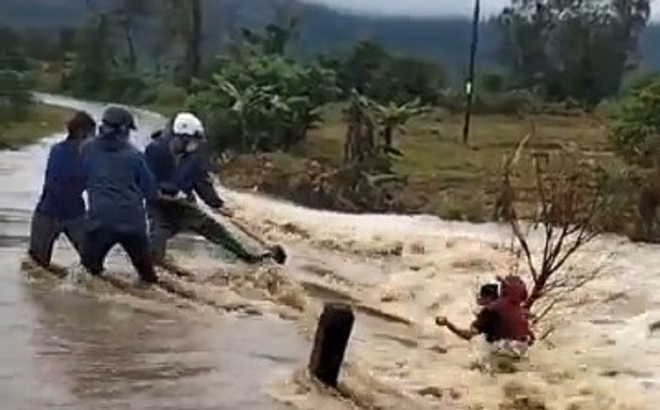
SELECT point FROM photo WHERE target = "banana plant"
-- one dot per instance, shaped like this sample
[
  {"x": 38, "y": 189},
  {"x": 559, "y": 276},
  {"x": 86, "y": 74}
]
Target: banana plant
[
  {"x": 393, "y": 118},
  {"x": 249, "y": 104},
  {"x": 269, "y": 100}
]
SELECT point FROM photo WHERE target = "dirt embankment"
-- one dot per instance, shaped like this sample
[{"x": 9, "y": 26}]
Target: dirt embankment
[{"x": 319, "y": 185}]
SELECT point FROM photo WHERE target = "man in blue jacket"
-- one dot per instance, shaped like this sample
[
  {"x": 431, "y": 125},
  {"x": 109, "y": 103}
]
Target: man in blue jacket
[
  {"x": 180, "y": 162},
  {"x": 118, "y": 182},
  {"x": 61, "y": 208}
]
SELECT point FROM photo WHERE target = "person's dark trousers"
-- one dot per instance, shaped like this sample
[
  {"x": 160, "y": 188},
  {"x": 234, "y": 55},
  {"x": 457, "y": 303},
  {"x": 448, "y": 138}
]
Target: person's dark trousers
[
  {"x": 44, "y": 231},
  {"x": 100, "y": 240},
  {"x": 168, "y": 218}
]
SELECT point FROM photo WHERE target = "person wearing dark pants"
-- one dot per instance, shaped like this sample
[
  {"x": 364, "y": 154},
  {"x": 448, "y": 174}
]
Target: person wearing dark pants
[
  {"x": 172, "y": 216},
  {"x": 118, "y": 182},
  {"x": 103, "y": 238},
  {"x": 179, "y": 159},
  {"x": 61, "y": 207}
]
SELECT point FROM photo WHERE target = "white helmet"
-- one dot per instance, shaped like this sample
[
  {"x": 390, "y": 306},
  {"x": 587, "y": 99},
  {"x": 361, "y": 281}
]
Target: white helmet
[{"x": 188, "y": 124}]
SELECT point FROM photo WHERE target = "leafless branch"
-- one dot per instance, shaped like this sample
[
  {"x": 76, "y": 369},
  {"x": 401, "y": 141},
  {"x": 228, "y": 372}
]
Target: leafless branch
[
  {"x": 541, "y": 315},
  {"x": 570, "y": 205}
]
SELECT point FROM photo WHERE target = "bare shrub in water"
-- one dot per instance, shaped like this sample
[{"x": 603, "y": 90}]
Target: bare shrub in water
[{"x": 569, "y": 206}]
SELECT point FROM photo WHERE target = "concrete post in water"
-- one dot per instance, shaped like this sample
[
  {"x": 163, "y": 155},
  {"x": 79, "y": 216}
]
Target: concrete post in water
[{"x": 332, "y": 334}]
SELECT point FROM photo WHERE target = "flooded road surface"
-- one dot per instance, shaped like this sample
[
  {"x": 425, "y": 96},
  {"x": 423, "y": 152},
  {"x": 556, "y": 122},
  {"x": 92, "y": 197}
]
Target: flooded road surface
[
  {"x": 603, "y": 347},
  {"x": 65, "y": 348}
]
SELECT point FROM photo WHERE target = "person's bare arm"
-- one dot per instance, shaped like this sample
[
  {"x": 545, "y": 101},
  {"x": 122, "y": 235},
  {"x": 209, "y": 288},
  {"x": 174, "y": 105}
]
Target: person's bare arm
[{"x": 465, "y": 334}]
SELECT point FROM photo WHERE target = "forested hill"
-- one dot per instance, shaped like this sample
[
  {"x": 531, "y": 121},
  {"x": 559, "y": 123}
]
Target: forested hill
[{"x": 323, "y": 29}]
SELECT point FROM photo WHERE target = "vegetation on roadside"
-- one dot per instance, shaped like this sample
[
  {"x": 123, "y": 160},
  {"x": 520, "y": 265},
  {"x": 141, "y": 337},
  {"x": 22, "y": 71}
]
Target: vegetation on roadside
[
  {"x": 16, "y": 78},
  {"x": 371, "y": 130},
  {"x": 443, "y": 176},
  {"x": 23, "y": 121},
  {"x": 41, "y": 121}
]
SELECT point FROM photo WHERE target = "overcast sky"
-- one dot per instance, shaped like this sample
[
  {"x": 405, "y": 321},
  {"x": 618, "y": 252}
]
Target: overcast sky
[{"x": 424, "y": 7}]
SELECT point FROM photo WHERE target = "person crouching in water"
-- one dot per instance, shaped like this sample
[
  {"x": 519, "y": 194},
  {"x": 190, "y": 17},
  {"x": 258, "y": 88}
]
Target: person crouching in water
[
  {"x": 504, "y": 321},
  {"x": 179, "y": 158},
  {"x": 118, "y": 182},
  {"x": 61, "y": 207}
]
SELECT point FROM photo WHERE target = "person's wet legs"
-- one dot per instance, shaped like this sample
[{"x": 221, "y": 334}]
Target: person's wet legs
[
  {"x": 195, "y": 220},
  {"x": 44, "y": 230},
  {"x": 75, "y": 231},
  {"x": 162, "y": 227},
  {"x": 96, "y": 246},
  {"x": 137, "y": 247}
]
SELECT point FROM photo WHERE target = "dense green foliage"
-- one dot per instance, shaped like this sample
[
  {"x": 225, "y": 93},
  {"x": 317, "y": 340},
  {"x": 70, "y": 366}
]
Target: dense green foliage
[
  {"x": 579, "y": 50},
  {"x": 378, "y": 74},
  {"x": 321, "y": 29},
  {"x": 636, "y": 132},
  {"x": 254, "y": 95},
  {"x": 262, "y": 101},
  {"x": 444, "y": 39},
  {"x": 16, "y": 78},
  {"x": 92, "y": 64},
  {"x": 552, "y": 49}
]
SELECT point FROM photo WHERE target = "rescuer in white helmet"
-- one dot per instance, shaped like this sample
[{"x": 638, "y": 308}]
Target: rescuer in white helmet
[{"x": 180, "y": 160}]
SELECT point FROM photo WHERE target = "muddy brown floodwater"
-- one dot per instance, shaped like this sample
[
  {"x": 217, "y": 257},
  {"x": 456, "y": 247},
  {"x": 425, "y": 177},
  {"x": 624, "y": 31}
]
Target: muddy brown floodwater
[{"x": 64, "y": 348}]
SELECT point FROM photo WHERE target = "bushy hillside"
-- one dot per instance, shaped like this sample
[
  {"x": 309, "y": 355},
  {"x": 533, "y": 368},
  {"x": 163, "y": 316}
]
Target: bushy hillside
[{"x": 323, "y": 29}]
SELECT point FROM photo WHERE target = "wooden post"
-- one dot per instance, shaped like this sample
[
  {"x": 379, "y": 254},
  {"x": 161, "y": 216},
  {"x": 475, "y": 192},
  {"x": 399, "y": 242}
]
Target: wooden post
[{"x": 332, "y": 334}]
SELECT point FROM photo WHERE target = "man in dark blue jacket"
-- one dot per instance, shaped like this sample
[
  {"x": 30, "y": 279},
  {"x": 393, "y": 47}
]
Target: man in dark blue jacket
[
  {"x": 180, "y": 162},
  {"x": 61, "y": 208},
  {"x": 118, "y": 182}
]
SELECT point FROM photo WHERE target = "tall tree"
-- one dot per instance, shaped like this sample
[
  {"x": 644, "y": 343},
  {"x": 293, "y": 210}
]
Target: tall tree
[
  {"x": 94, "y": 57},
  {"x": 194, "y": 46},
  {"x": 578, "y": 49},
  {"x": 128, "y": 13},
  {"x": 183, "y": 28},
  {"x": 15, "y": 79}
]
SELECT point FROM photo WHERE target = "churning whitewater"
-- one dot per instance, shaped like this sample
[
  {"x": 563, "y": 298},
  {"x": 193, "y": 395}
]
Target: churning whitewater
[
  {"x": 403, "y": 271},
  {"x": 602, "y": 354}
]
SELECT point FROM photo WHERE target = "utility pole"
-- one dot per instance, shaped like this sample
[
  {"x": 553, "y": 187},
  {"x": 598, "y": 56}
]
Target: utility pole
[{"x": 469, "y": 85}]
